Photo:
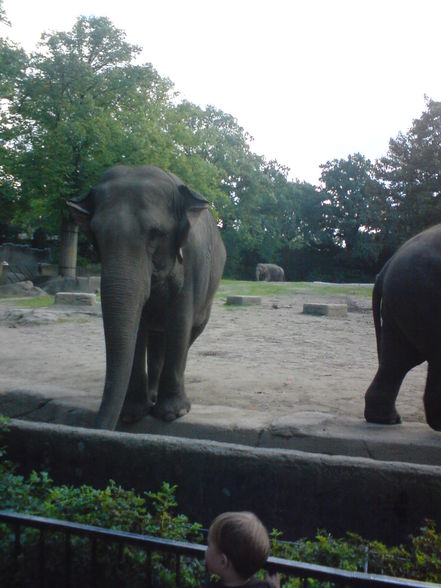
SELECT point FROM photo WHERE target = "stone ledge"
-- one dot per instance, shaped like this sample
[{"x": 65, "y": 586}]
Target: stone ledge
[
  {"x": 293, "y": 491},
  {"x": 312, "y": 432}
]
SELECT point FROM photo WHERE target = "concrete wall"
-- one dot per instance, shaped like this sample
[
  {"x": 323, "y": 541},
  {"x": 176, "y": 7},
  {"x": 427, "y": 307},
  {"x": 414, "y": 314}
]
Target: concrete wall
[
  {"x": 293, "y": 491},
  {"x": 23, "y": 256}
]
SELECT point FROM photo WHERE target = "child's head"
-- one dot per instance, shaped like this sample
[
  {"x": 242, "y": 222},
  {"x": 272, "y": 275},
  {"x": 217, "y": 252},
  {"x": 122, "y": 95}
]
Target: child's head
[{"x": 242, "y": 539}]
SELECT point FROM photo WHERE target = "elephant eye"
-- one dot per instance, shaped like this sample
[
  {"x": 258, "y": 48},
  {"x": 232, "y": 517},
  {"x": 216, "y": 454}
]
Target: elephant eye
[{"x": 155, "y": 234}]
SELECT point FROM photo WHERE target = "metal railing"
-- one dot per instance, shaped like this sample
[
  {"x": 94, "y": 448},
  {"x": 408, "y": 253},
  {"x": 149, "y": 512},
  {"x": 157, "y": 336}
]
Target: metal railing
[{"x": 180, "y": 549}]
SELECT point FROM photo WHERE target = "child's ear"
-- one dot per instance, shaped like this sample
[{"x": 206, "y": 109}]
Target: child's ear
[{"x": 224, "y": 561}]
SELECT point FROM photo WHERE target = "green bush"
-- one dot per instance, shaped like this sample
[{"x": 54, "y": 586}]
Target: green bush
[
  {"x": 154, "y": 514},
  {"x": 420, "y": 559}
]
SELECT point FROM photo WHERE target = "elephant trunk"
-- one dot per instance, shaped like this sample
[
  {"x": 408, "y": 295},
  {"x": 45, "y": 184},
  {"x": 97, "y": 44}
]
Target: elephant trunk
[{"x": 122, "y": 300}]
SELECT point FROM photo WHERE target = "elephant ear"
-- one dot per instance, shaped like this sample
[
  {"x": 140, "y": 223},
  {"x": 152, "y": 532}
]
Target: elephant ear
[
  {"x": 81, "y": 210},
  {"x": 192, "y": 204}
]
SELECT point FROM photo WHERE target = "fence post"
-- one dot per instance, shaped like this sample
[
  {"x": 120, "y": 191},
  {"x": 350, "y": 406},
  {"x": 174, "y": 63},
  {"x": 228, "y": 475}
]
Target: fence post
[{"x": 42, "y": 558}]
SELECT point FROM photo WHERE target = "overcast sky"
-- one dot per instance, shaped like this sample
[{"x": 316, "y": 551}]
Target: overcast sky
[{"x": 310, "y": 80}]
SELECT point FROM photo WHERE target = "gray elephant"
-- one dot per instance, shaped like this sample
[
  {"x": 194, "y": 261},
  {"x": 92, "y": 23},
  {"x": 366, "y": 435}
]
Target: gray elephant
[
  {"x": 406, "y": 304},
  {"x": 269, "y": 272},
  {"x": 162, "y": 259}
]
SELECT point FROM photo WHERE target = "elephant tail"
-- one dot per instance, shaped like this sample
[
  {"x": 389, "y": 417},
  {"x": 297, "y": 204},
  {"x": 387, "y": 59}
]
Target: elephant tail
[{"x": 377, "y": 295}]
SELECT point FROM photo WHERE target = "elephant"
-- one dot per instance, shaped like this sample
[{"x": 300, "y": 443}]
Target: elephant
[
  {"x": 406, "y": 304},
  {"x": 269, "y": 272},
  {"x": 162, "y": 258}
]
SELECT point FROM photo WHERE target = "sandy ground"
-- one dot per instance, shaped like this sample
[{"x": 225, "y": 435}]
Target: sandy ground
[{"x": 270, "y": 358}]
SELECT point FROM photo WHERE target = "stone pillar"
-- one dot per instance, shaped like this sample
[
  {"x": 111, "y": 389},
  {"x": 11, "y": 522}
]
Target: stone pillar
[
  {"x": 4, "y": 272},
  {"x": 67, "y": 266}
]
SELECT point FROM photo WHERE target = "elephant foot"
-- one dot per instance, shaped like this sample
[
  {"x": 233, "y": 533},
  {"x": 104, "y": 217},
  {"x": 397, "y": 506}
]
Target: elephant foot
[
  {"x": 171, "y": 408},
  {"x": 434, "y": 422},
  {"x": 132, "y": 413},
  {"x": 383, "y": 419}
]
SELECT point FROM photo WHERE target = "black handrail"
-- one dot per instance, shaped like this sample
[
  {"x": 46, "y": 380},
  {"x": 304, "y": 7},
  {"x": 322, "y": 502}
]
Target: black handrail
[{"x": 291, "y": 568}]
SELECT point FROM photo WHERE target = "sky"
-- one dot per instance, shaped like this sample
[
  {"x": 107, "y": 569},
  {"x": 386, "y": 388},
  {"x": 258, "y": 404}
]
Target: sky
[{"x": 309, "y": 80}]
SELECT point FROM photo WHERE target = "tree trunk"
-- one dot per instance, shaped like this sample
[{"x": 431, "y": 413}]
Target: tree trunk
[{"x": 67, "y": 265}]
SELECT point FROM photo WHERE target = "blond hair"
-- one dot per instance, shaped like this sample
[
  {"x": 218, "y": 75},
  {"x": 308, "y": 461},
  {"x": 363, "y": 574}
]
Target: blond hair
[{"x": 242, "y": 537}]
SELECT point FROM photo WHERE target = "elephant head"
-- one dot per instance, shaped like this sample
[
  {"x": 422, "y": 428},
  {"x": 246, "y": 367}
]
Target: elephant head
[
  {"x": 139, "y": 221},
  {"x": 260, "y": 272}
]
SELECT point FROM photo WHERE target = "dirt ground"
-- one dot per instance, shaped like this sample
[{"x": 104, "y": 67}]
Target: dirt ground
[{"x": 270, "y": 358}]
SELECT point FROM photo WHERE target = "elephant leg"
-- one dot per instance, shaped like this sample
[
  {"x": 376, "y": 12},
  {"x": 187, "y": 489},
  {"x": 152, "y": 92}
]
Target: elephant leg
[
  {"x": 155, "y": 362},
  {"x": 137, "y": 402},
  {"x": 172, "y": 401},
  {"x": 432, "y": 395},
  {"x": 397, "y": 357},
  {"x": 196, "y": 331}
]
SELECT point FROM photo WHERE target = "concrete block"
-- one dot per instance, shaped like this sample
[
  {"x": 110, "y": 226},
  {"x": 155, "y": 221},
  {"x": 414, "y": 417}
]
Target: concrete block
[
  {"x": 75, "y": 298},
  {"x": 48, "y": 270},
  {"x": 335, "y": 310},
  {"x": 243, "y": 300},
  {"x": 94, "y": 284}
]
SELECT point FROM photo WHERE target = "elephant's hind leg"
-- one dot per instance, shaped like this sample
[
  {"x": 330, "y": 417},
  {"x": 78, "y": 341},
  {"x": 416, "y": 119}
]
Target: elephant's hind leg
[
  {"x": 397, "y": 357},
  {"x": 197, "y": 330},
  {"x": 432, "y": 395}
]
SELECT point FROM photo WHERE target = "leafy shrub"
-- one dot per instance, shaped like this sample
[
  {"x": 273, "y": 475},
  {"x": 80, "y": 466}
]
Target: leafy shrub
[{"x": 420, "y": 559}]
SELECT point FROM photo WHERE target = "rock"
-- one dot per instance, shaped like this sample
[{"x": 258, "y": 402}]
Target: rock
[
  {"x": 20, "y": 317},
  {"x": 75, "y": 298},
  {"x": 334, "y": 310},
  {"x": 90, "y": 284},
  {"x": 243, "y": 300},
  {"x": 18, "y": 289}
]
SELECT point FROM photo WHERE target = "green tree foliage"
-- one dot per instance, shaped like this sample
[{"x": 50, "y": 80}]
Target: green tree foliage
[
  {"x": 355, "y": 211},
  {"x": 81, "y": 104},
  {"x": 411, "y": 170},
  {"x": 76, "y": 111},
  {"x": 307, "y": 252},
  {"x": 13, "y": 63},
  {"x": 246, "y": 190}
]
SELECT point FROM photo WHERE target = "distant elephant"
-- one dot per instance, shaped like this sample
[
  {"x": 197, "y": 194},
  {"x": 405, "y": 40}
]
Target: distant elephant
[
  {"x": 162, "y": 259},
  {"x": 406, "y": 304},
  {"x": 269, "y": 272}
]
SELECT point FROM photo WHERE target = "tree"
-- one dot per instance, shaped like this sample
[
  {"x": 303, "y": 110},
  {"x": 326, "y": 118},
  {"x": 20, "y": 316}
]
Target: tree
[
  {"x": 3, "y": 17},
  {"x": 80, "y": 106},
  {"x": 244, "y": 186},
  {"x": 13, "y": 63},
  {"x": 355, "y": 209},
  {"x": 411, "y": 171}
]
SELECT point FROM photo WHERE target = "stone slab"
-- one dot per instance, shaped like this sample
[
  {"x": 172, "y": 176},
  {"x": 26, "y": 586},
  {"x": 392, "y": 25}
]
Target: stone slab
[
  {"x": 243, "y": 300},
  {"x": 335, "y": 310},
  {"x": 216, "y": 423},
  {"x": 75, "y": 298}
]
